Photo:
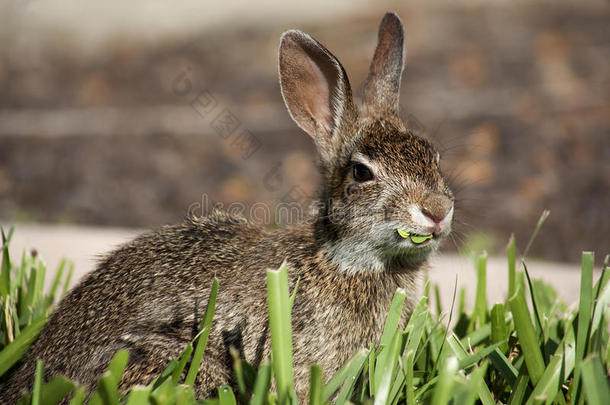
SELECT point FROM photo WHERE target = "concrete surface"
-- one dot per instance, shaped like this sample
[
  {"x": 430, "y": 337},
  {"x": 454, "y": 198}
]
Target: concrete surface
[{"x": 85, "y": 245}]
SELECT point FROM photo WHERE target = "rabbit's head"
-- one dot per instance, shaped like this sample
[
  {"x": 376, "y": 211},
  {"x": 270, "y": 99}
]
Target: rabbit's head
[{"x": 383, "y": 203}]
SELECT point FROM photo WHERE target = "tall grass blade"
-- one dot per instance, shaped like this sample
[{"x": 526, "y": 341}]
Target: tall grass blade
[
  {"x": 68, "y": 279},
  {"x": 352, "y": 367},
  {"x": 595, "y": 381},
  {"x": 37, "y": 390},
  {"x": 138, "y": 396},
  {"x": 316, "y": 384},
  {"x": 511, "y": 259},
  {"x": 56, "y": 280},
  {"x": 108, "y": 386},
  {"x": 520, "y": 389},
  {"x": 444, "y": 385},
  {"x": 78, "y": 398},
  {"x": 205, "y": 327},
  {"x": 389, "y": 335},
  {"x": 499, "y": 329},
  {"x": 56, "y": 390},
  {"x": 393, "y": 317},
  {"x": 480, "y": 303},
  {"x": 226, "y": 396},
  {"x": 387, "y": 363},
  {"x": 437, "y": 300},
  {"x": 12, "y": 353},
  {"x": 262, "y": 384},
  {"x": 548, "y": 386},
  {"x": 584, "y": 318},
  {"x": 537, "y": 315},
  {"x": 408, "y": 365},
  {"x": 181, "y": 363},
  {"x": 504, "y": 366},
  {"x": 527, "y": 336},
  {"x": 294, "y": 292},
  {"x": 281, "y": 335},
  {"x": 543, "y": 217},
  {"x": 5, "y": 268}
]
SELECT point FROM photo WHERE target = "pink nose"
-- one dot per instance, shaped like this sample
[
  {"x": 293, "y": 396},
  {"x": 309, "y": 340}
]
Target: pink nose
[{"x": 436, "y": 216}]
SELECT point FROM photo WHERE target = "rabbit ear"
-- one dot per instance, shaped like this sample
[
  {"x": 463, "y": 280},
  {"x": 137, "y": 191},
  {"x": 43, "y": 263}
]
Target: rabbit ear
[
  {"x": 382, "y": 86},
  {"x": 315, "y": 89}
]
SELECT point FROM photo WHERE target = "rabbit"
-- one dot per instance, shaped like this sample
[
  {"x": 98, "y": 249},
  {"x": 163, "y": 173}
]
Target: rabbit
[{"x": 382, "y": 208}]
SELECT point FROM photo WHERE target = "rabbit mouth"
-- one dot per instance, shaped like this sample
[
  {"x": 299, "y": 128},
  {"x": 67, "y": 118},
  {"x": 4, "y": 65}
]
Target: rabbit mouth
[{"x": 415, "y": 238}]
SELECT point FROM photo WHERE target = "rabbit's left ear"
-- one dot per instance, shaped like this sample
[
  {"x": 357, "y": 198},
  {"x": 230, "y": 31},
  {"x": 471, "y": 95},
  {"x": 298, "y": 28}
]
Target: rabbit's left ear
[{"x": 382, "y": 86}]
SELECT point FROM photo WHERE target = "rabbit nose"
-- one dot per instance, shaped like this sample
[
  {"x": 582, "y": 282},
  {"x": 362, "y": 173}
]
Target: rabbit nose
[
  {"x": 436, "y": 216},
  {"x": 439, "y": 210}
]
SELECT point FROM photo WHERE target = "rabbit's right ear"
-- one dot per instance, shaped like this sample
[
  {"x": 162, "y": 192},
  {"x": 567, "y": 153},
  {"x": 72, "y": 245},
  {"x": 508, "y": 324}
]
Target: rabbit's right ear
[{"x": 315, "y": 89}]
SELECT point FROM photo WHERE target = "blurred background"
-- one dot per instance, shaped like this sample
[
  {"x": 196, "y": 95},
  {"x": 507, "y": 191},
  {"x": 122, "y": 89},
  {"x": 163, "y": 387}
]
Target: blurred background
[{"x": 125, "y": 114}]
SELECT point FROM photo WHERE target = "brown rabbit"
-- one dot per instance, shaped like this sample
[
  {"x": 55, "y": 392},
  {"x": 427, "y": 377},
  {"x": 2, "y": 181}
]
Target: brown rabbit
[{"x": 382, "y": 208}]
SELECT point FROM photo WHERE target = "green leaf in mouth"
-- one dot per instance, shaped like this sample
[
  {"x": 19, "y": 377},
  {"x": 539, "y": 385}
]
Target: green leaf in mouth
[
  {"x": 403, "y": 234},
  {"x": 416, "y": 239}
]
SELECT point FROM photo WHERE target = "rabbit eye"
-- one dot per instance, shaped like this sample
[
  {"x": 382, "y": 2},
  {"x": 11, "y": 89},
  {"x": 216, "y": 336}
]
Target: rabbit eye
[{"x": 361, "y": 173}]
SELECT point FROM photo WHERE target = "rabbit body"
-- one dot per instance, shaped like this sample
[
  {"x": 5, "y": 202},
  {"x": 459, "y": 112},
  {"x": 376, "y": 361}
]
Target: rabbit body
[{"x": 149, "y": 296}]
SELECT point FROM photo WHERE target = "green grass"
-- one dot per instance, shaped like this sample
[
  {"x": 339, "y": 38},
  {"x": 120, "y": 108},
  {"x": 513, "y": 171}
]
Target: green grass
[{"x": 531, "y": 349}]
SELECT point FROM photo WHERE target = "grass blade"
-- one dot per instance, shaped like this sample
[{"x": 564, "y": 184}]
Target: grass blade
[
  {"x": 226, "y": 396},
  {"x": 537, "y": 316},
  {"x": 68, "y": 279},
  {"x": 409, "y": 386},
  {"x": 79, "y": 396},
  {"x": 393, "y": 317},
  {"x": 543, "y": 217},
  {"x": 316, "y": 384},
  {"x": 390, "y": 332},
  {"x": 205, "y": 327},
  {"x": 511, "y": 259},
  {"x": 17, "y": 348},
  {"x": 138, "y": 396},
  {"x": 499, "y": 329},
  {"x": 442, "y": 390},
  {"x": 56, "y": 280},
  {"x": 480, "y": 303},
  {"x": 548, "y": 386},
  {"x": 520, "y": 389},
  {"x": 385, "y": 368},
  {"x": 504, "y": 366},
  {"x": 281, "y": 332},
  {"x": 5, "y": 268},
  {"x": 56, "y": 390},
  {"x": 371, "y": 367},
  {"x": 262, "y": 384},
  {"x": 473, "y": 359},
  {"x": 108, "y": 386},
  {"x": 595, "y": 381},
  {"x": 527, "y": 336},
  {"x": 584, "y": 318},
  {"x": 352, "y": 367},
  {"x": 37, "y": 390},
  {"x": 181, "y": 364}
]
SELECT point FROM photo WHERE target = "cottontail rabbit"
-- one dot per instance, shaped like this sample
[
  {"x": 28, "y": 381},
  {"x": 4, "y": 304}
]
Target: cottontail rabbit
[{"x": 382, "y": 208}]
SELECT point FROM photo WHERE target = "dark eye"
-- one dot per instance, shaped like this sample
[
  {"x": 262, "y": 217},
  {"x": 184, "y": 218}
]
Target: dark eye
[{"x": 361, "y": 173}]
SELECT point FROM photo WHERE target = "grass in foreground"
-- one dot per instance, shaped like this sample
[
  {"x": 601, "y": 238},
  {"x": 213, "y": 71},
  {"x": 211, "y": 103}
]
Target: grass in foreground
[{"x": 531, "y": 349}]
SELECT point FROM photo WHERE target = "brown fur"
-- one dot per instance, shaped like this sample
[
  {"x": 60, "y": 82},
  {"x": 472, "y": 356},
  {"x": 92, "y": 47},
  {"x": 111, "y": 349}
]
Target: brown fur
[{"x": 149, "y": 296}]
